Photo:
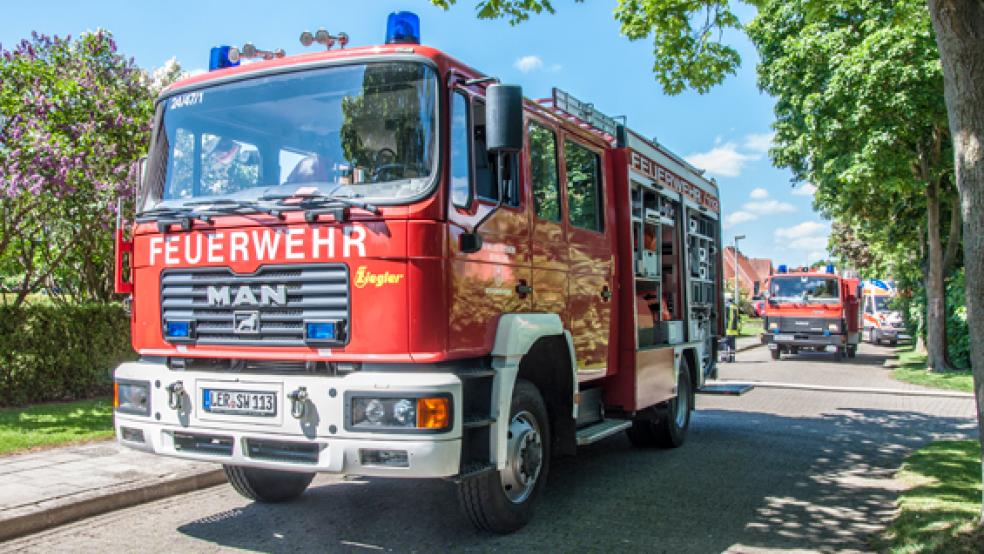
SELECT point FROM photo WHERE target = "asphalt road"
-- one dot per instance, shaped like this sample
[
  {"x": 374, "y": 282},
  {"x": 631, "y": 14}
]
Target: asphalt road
[{"x": 774, "y": 469}]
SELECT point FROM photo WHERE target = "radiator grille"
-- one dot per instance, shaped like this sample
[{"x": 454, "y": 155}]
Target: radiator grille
[{"x": 280, "y": 297}]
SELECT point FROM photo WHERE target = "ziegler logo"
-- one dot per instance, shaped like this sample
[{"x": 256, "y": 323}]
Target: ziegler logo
[
  {"x": 365, "y": 277},
  {"x": 244, "y": 296}
]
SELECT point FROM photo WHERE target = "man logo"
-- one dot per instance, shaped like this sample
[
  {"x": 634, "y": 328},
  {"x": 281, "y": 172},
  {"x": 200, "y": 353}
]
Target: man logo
[
  {"x": 246, "y": 322},
  {"x": 269, "y": 296}
]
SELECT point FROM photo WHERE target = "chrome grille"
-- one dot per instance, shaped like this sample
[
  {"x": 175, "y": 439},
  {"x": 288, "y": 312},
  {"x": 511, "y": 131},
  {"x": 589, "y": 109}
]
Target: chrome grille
[{"x": 314, "y": 292}]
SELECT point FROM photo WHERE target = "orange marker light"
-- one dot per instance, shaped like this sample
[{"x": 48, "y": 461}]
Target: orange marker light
[
  {"x": 116, "y": 395},
  {"x": 433, "y": 413}
]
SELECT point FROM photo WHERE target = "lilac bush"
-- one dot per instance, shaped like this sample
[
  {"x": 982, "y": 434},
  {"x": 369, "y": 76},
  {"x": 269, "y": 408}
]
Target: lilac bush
[{"x": 74, "y": 116}]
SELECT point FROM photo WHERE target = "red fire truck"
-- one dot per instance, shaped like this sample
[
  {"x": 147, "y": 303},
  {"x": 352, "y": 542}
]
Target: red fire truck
[
  {"x": 812, "y": 310},
  {"x": 379, "y": 261}
]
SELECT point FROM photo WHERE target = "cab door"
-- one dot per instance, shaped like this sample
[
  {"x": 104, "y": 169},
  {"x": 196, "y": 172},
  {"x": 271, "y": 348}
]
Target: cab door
[
  {"x": 589, "y": 256},
  {"x": 548, "y": 246}
]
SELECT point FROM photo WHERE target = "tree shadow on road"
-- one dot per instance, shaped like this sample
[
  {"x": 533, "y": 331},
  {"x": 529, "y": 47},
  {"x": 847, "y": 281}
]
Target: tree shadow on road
[{"x": 744, "y": 480}]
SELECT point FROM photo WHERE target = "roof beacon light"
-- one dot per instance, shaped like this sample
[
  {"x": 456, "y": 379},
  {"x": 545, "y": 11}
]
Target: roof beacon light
[
  {"x": 221, "y": 57},
  {"x": 324, "y": 38},
  {"x": 830, "y": 268},
  {"x": 782, "y": 268},
  {"x": 403, "y": 28},
  {"x": 249, "y": 51}
]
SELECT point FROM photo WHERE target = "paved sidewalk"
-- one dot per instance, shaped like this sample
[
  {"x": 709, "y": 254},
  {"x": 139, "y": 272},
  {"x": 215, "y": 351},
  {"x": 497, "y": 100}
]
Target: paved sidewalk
[{"x": 54, "y": 486}]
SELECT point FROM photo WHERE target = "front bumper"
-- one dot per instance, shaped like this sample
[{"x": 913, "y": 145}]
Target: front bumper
[
  {"x": 803, "y": 340},
  {"x": 315, "y": 442}
]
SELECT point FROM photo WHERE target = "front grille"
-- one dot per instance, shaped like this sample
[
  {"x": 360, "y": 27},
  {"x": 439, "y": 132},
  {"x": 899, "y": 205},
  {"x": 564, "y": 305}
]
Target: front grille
[
  {"x": 203, "y": 444},
  {"x": 278, "y": 451},
  {"x": 808, "y": 325},
  {"x": 313, "y": 292},
  {"x": 263, "y": 366}
]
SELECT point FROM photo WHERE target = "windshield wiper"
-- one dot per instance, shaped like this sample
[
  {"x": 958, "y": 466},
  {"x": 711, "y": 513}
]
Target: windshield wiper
[
  {"x": 317, "y": 204},
  {"x": 165, "y": 217},
  {"x": 228, "y": 205}
]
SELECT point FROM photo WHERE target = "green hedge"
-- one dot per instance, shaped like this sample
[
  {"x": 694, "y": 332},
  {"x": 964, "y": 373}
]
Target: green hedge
[{"x": 60, "y": 352}]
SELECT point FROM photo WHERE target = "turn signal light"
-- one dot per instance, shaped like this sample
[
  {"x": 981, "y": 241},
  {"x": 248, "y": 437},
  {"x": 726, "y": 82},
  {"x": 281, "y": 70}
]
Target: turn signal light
[{"x": 433, "y": 413}]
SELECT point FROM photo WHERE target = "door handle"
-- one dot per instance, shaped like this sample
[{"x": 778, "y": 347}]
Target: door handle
[
  {"x": 522, "y": 289},
  {"x": 606, "y": 294}
]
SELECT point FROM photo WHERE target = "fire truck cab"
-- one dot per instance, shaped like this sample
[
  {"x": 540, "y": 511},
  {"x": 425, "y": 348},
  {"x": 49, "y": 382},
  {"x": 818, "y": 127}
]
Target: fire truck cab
[
  {"x": 379, "y": 261},
  {"x": 811, "y": 310}
]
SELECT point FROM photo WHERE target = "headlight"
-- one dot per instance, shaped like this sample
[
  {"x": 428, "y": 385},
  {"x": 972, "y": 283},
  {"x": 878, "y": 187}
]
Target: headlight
[
  {"x": 131, "y": 397},
  {"x": 432, "y": 413},
  {"x": 773, "y": 325},
  {"x": 833, "y": 327}
]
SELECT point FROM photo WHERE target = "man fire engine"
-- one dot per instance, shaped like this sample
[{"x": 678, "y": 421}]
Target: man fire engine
[
  {"x": 811, "y": 310},
  {"x": 379, "y": 261}
]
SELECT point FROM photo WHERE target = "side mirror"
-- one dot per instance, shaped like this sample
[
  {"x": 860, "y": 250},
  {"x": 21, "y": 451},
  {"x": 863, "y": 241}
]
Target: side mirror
[
  {"x": 504, "y": 119},
  {"x": 503, "y": 137}
]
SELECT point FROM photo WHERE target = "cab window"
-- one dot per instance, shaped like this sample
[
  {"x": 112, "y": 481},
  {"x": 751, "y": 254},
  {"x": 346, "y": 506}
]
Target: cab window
[
  {"x": 460, "y": 169},
  {"x": 543, "y": 170},
  {"x": 584, "y": 205}
]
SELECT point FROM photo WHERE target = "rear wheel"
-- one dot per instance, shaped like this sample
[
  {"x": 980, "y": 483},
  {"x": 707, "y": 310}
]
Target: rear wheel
[
  {"x": 852, "y": 351},
  {"x": 502, "y": 501},
  {"x": 668, "y": 429},
  {"x": 267, "y": 485}
]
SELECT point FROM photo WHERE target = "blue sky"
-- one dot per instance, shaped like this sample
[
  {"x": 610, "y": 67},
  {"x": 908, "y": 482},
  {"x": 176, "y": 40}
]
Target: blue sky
[{"x": 579, "y": 50}]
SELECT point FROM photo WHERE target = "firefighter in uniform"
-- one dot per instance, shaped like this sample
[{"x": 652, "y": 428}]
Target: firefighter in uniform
[{"x": 732, "y": 324}]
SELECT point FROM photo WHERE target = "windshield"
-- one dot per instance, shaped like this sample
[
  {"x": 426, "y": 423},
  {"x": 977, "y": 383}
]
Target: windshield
[
  {"x": 883, "y": 303},
  {"x": 360, "y": 131},
  {"x": 801, "y": 289}
]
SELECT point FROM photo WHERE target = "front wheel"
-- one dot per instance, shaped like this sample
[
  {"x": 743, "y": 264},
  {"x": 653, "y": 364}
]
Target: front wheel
[
  {"x": 776, "y": 353},
  {"x": 502, "y": 501},
  {"x": 267, "y": 485}
]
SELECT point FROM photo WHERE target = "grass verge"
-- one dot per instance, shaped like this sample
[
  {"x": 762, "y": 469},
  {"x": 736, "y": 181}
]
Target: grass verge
[
  {"x": 911, "y": 368},
  {"x": 938, "y": 511},
  {"x": 56, "y": 424}
]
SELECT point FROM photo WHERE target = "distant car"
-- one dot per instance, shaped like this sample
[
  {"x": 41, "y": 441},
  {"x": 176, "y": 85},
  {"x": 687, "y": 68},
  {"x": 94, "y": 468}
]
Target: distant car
[{"x": 759, "y": 308}]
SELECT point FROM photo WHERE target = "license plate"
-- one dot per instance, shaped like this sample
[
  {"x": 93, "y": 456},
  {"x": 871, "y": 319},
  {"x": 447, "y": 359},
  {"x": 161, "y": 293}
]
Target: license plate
[
  {"x": 239, "y": 402},
  {"x": 784, "y": 338}
]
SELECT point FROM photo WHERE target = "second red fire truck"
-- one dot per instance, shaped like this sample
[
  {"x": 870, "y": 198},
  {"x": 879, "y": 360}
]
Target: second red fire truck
[{"x": 379, "y": 261}]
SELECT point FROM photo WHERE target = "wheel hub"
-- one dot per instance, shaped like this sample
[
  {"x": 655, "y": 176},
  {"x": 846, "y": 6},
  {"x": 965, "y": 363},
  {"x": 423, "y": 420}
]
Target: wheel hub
[{"x": 524, "y": 451}]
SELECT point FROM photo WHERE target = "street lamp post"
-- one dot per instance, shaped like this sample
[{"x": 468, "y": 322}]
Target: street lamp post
[{"x": 737, "y": 238}]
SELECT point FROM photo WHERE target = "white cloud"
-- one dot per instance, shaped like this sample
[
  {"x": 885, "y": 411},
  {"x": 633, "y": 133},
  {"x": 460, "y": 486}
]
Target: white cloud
[
  {"x": 759, "y": 142},
  {"x": 527, "y": 64},
  {"x": 809, "y": 236},
  {"x": 735, "y": 218},
  {"x": 759, "y": 194},
  {"x": 806, "y": 189},
  {"x": 724, "y": 160},
  {"x": 768, "y": 207}
]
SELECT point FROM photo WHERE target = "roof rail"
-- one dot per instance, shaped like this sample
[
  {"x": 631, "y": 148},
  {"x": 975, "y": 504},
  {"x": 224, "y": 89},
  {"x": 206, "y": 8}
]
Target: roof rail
[{"x": 582, "y": 114}]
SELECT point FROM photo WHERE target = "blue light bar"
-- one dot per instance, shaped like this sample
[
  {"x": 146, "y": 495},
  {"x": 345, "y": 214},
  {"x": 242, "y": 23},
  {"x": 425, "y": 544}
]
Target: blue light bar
[
  {"x": 179, "y": 329},
  {"x": 781, "y": 268},
  {"x": 219, "y": 58},
  {"x": 403, "y": 28},
  {"x": 320, "y": 330},
  {"x": 830, "y": 268}
]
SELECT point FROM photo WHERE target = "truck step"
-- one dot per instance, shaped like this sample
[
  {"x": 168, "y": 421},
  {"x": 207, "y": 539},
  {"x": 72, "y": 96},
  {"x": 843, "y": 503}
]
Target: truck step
[
  {"x": 472, "y": 470},
  {"x": 470, "y": 422},
  {"x": 475, "y": 373},
  {"x": 598, "y": 431},
  {"x": 726, "y": 389}
]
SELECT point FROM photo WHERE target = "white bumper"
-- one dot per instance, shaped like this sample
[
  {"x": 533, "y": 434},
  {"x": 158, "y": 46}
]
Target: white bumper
[{"x": 316, "y": 442}]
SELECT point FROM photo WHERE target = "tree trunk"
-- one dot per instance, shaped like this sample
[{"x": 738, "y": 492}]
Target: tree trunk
[
  {"x": 952, "y": 241},
  {"x": 959, "y": 27},
  {"x": 935, "y": 285}
]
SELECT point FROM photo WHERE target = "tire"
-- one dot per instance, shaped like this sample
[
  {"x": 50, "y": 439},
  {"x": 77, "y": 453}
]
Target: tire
[
  {"x": 267, "y": 485},
  {"x": 852, "y": 351},
  {"x": 503, "y": 501},
  {"x": 893, "y": 342},
  {"x": 669, "y": 427},
  {"x": 776, "y": 354}
]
